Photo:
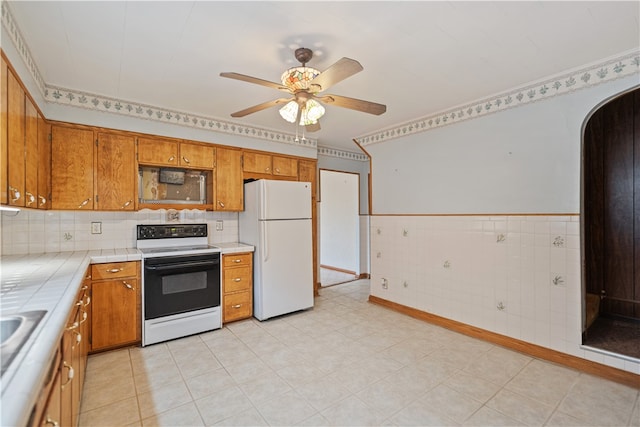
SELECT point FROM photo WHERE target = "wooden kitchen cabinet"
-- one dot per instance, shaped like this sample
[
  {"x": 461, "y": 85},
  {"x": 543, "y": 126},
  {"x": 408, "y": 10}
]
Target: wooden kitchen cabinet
[
  {"x": 256, "y": 162},
  {"x": 115, "y": 305},
  {"x": 44, "y": 164},
  {"x": 285, "y": 166},
  {"x": 158, "y": 151},
  {"x": 72, "y": 379},
  {"x": 116, "y": 176},
  {"x": 197, "y": 155},
  {"x": 307, "y": 172},
  {"x": 228, "y": 182},
  {"x": 4, "y": 110},
  {"x": 16, "y": 153},
  {"x": 31, "y": 155},
  {"x": 72, "y": 169},
  {"x": 265, "y": 165},
  {"x": 237, "y": 286}
]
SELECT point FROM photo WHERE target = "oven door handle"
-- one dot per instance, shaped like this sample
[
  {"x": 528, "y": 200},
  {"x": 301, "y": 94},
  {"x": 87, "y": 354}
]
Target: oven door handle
[{"x": 177, "y": 266}]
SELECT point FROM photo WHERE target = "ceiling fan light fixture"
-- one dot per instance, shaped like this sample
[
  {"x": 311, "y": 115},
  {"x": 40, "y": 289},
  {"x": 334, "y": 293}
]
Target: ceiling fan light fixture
[
  {"x": 298, "y": 78},
  {"x": 312, "y": 112},
  {"x": 290, "y": 111}
]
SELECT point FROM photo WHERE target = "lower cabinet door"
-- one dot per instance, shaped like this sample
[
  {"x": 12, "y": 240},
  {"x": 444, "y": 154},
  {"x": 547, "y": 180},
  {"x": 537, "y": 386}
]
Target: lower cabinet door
[{"x": 114, "y": 319}]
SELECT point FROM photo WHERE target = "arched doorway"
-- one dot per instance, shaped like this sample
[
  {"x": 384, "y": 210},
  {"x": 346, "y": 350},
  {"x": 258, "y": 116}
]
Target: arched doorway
[{"x": 611, "y": 226}]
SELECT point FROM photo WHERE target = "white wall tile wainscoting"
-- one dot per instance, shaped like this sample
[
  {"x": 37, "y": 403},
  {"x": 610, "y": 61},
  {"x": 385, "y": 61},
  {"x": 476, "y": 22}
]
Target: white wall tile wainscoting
[{"x": 514, "y": 275}]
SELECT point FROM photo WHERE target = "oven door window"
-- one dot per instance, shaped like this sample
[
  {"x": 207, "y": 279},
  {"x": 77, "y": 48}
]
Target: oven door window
[{"x": 180, "y": 284}]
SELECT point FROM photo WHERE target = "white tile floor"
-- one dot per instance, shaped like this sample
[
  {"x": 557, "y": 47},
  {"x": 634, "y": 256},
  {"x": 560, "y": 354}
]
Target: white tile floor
[{"x": 346, "y": 362}]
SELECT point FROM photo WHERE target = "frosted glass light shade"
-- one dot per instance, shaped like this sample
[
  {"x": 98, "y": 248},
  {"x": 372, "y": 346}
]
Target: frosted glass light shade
[{"x": 310, "y": 114}]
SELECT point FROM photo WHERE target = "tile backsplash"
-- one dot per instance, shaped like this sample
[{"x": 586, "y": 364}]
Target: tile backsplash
[{"x": 37, "y": 231}]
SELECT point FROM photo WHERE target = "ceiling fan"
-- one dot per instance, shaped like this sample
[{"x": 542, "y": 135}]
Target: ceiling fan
[{"x": 304, "y": 85}]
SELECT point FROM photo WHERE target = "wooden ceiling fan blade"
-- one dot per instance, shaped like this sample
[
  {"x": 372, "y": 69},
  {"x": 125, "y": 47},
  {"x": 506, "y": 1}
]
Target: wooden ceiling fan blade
[
  {"x": 353, "y": 104},
  {"x": 314, "y": 127},
  {"x": 260, "y": 107},
  {"x": 345, "y": 67},
  {"x": 255, "y": 80}
]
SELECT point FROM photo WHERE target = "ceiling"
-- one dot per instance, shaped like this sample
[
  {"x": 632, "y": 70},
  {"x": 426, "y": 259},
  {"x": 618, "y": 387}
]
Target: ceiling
[{"x": 419, "y": 57}]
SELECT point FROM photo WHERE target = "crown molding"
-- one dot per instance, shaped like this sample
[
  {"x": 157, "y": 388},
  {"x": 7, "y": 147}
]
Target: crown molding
[{"x": 622, "y": 65}]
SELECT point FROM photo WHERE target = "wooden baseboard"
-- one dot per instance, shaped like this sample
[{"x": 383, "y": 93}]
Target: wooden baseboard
[
  {"x": 341, "y": 270},
  {"x": 534, "y": 350}
]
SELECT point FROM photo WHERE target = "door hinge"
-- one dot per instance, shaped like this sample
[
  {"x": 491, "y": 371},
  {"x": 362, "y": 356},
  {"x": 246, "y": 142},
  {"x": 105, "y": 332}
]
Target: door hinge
[
  {"x": 96, "y": 142},
  {"x": 97, "y": 200},
  {"x": 50, "y": 137}
]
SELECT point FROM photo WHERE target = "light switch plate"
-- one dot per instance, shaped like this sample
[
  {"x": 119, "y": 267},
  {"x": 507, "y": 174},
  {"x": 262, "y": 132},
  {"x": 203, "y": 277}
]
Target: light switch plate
[
  {"x": 219, "y": 226},
  {"x": 96, "y": 228}
]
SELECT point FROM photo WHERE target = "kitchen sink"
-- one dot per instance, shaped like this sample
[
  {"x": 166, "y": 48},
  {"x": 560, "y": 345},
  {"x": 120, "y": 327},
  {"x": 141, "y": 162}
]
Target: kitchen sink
[{"x": 15, "y": 329}]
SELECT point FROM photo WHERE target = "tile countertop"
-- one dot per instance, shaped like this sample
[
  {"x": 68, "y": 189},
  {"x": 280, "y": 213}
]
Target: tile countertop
[{"x": 49, "y": 282}]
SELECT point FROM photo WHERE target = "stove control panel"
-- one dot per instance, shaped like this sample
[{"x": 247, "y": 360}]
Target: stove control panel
[{"x": 171, "y": 231}]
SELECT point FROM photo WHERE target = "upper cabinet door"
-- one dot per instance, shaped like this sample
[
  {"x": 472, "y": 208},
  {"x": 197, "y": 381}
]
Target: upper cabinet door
[
  {"x": 115, "y": 172},
  {"x": 16, "y": 135},
  {"x": 71, "y": 168},
  {"x": 196, "y": 155},
  {"x": 158, "y": 151},
  {"x": 256, "y": 162},
  {"x": 4, "y": 71},
  {"x": 228, "y": 183},
  {"x": 285, "y": 166}
]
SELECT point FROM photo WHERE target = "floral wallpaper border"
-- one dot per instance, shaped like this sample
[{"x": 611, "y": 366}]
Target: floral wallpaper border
[
  {"x": 342, "y": 154},
  {"x": 624, "y": 65}
]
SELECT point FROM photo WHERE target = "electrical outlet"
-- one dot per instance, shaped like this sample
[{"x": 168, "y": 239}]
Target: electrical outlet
[
  {"x": 96, "y": 228},
  {"x": 219, "y": 225}
]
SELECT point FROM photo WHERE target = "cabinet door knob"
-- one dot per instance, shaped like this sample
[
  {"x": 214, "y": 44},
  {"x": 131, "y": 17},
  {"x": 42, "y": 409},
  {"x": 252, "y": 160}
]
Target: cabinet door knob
[
  {"x": 267, "y": 169},
  {"x": 43, "y": 200},
  {"x": 221, "y": 204},
  {"x": 84, "y": 203},
  {"x": 73, "y": 326},
  {"x": 185, "y": 160},
  {"x": 172, "y": 158},
  {"x": 127, "y": 285},
  {"x": 126, "y": 204}
]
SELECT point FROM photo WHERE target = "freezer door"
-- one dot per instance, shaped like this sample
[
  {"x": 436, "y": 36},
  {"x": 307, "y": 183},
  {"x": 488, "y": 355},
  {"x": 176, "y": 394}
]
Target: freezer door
[
  {"x": 283, "y": 199},
  {"x": 284, "y": 270}
]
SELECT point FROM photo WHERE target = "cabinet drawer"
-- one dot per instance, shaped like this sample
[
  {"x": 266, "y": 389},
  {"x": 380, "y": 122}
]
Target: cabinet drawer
[
  {"x": 237, "y": 279},
  {"x": 237, "y": 306},
  {"x": 236, "y": 260},
  {"x": 114, "y": 270}
]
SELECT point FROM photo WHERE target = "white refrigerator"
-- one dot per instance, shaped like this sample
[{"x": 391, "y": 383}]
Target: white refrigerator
[{"x": 277, "y": 221}]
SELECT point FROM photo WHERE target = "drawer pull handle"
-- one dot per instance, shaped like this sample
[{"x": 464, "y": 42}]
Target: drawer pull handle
[
  {"x": 237, "y": 279},
  {"x": 237, "y": 260},
  {"x": 88, "y": 301},
  {"x": 237, "y": 306},
  {"x": 43, "y": 201},
  {"x": 185, "y": 160},
  {"x": 52, "y": 422},
  {"x": 127, "y": 285},
  {"x": 114, "y": 270},
  {"x": 78, "y": 336},
  {"x": 85, "y": 316},
  {"x": 30, "y": 197}
]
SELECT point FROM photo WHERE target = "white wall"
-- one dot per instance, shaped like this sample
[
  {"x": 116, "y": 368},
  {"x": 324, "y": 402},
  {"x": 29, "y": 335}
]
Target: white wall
[
  {"x": 339, "y": 220},
  {"x": 517, "y": 275}
]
